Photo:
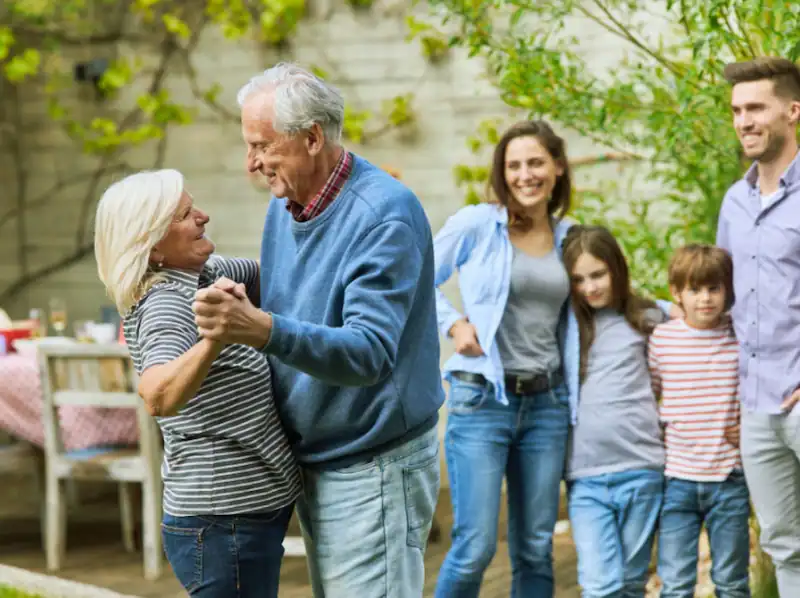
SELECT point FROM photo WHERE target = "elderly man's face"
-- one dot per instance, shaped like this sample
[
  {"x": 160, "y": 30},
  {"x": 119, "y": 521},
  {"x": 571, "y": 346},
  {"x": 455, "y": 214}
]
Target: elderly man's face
[{"x": 286, "y": 162}]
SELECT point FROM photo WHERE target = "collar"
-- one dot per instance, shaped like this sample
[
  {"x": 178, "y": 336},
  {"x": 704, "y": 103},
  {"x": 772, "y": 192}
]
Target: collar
[
  {"x": 188, "y": 279},
  {"x": 790, "y": 176}
]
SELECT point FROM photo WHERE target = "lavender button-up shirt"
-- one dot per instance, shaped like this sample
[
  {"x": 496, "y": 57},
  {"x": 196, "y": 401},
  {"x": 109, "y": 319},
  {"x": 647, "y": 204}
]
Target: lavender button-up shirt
[{"x": 765, "y": 245}]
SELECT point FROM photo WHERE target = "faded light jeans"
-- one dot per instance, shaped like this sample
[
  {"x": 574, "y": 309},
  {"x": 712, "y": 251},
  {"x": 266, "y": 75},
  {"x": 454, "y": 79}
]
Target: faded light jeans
[
  {"x": 771, "y": 458},
  {"x": 525, "y": 442},
  {"x": 366, "y": 526},
  {"x": 614, "y": 519}
]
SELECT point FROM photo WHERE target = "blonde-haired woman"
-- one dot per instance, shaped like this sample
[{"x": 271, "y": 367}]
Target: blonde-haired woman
[{"x": 230, "y": 480}]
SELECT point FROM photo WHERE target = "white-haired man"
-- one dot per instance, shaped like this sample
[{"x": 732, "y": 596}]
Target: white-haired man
[{"x": 348, "y": 321}]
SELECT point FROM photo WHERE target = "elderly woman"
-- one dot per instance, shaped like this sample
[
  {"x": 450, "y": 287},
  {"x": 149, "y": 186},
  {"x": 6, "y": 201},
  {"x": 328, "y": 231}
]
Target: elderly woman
[{"x": 230, "y": 480}]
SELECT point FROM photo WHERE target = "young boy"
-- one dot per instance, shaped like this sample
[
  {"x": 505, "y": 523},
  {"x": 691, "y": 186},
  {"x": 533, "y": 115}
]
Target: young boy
[{"x": 693, "y": 365}]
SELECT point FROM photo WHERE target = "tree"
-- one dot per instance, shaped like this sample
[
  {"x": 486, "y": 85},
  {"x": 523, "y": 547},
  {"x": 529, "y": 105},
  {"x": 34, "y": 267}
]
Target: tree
[
  {"x": 104, "y": 67},
  {"x": 665, "y": 106}
]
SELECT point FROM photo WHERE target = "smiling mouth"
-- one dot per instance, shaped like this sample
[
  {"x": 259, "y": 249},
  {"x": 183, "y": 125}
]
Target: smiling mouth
[{"x": 530, "y": 189}]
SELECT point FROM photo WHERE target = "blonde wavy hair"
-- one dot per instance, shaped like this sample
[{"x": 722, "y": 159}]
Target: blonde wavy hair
[{"x": 133, "y": 215}]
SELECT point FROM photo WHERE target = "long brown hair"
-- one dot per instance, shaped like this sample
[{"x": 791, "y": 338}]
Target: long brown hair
[
  {"x": 598, "y": 242},
  {"x": 558, "y": 204}
]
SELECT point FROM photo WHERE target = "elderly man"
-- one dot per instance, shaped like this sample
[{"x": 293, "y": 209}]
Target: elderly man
[{"x": 348, "y": 322}]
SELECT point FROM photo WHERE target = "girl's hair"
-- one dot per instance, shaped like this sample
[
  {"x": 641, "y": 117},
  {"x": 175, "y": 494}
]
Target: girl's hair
[
  {"x": 559, "y": 202},
  {"x": 598, "y": 242},
  {"x": 133, "y": 215}
]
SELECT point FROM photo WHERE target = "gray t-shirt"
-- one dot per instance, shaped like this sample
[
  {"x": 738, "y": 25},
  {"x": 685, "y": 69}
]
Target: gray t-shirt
[
  {"x": 527, "y": 336},
  {"x": 618, "y": 427}
]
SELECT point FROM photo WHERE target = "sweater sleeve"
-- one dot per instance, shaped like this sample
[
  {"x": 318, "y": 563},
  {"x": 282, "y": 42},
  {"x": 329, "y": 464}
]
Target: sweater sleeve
[{"x": 380, "y": 283}]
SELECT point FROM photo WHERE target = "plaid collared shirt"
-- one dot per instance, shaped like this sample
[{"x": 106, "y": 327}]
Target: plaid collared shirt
[{"x": 328, "y": 192}]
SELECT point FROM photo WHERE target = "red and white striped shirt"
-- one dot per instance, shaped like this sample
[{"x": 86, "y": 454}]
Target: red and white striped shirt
[{"x": 695, "y": 372}]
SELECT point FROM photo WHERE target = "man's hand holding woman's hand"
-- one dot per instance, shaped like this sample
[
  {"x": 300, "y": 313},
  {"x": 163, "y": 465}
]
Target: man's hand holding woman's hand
[
  {"x": 224, "y": 313},
  {"x": 465, "y": 337}
]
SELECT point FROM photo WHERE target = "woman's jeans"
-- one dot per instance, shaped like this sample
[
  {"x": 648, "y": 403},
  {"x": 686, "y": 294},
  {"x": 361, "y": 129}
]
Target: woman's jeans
[
  {"x": 525, "y": 442},
  {"x": 614, "y": 519},
  {"x": 227, "y": 556}
]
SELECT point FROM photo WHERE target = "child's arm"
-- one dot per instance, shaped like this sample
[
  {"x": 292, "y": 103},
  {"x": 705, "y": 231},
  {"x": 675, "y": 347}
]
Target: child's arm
[
  {"x": 654, "y": 366},
  {"x": 733, "y": 433}
]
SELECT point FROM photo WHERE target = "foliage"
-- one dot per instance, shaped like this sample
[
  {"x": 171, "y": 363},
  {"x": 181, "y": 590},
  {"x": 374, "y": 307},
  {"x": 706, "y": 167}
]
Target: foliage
[
  {"x": 434, "y": 43},
  {"x": 8, "y": 592},
  {"x": 665, "y": 104},
  {"x": 119, "y": 97}
]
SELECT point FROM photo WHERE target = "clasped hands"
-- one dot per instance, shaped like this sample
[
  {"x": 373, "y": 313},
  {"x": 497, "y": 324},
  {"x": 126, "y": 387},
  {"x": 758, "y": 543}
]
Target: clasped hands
[{"x": 223, "y": 313}]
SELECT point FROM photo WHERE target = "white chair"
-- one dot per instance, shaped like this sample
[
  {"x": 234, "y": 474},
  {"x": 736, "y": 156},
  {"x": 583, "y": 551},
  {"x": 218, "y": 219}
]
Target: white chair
[{"x": 71, "y": 375}]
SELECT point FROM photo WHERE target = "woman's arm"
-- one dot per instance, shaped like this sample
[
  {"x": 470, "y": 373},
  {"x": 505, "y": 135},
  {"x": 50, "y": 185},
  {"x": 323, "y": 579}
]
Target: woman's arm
[
  {"x": 451, "y": 248},
  {"x": 167, "y": 388},
  {"x": 174, "y": 362},
  {"x": 245, "y": 271}
]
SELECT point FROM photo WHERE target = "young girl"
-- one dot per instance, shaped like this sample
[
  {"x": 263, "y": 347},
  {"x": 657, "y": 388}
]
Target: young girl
[{"x": 615, "y": 463}]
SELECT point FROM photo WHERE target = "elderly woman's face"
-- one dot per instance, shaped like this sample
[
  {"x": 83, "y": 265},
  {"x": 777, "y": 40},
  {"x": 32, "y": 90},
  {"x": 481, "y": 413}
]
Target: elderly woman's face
[{"x": 185, "y": 245}]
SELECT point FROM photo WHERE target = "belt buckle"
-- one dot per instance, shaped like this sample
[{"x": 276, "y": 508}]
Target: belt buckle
[{"x": 518, "y": 386}]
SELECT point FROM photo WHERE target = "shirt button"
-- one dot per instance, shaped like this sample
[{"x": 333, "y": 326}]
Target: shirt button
[{"x": 752, "y": 354}]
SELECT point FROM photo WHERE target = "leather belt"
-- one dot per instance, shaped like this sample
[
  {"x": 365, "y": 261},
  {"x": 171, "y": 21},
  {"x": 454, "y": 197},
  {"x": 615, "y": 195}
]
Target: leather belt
[{"x": 519, "y": 385}]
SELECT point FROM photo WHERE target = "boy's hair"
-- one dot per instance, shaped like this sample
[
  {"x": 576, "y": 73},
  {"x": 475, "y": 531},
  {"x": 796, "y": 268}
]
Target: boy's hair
[
  {"x": 697, "y": 265},
  {"x": 784, "y": 74}
]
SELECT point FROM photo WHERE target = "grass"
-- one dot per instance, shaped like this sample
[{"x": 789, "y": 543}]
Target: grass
[{"x": 8, "y": 592}]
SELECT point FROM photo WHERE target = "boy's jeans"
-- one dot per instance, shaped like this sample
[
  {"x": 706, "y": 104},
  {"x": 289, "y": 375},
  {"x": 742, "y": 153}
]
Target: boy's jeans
[
  {"x": 724, "y": 507},
  {"x": 613, "y": 519}
]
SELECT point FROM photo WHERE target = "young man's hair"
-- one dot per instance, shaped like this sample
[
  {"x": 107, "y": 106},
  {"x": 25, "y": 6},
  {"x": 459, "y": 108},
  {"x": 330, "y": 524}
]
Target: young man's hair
[
  {"x": 784, "y": 73},
  {"x": 696, "y": 265}
]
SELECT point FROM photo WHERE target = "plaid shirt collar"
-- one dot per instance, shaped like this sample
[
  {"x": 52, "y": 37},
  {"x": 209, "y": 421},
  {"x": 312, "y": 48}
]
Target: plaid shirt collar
[{"x": 328, "y": 192}]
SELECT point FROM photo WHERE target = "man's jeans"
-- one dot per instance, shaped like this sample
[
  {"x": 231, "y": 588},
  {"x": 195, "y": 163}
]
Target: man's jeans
[
  {"x": 525, "y": 441},
  {"x": 724, "y": 507},
  {"x": 771, "y": 457},
  {"x": 613, "y": 519},
  {"x": 227, "y": 556},
  {"x": 366, "y": 526}
]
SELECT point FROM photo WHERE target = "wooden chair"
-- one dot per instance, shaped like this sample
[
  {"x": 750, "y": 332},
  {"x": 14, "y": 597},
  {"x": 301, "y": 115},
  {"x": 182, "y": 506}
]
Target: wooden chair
[
  {"x": 99, "y": 376},
  {"x": 22, "y": 458}
]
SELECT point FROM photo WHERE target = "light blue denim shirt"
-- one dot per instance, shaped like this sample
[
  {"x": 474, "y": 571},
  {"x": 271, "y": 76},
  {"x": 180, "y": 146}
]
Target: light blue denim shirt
[{"x": 474, "y": 241}]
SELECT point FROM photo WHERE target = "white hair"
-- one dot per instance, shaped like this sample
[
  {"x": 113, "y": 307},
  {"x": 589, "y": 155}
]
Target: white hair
[
  {"x": 301, "y": 100},
  {"x": 133, "y": 215}
]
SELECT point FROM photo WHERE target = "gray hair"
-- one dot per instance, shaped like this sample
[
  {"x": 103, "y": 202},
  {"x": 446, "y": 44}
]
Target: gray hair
[
  {"x": 301, "y": 100},
  {"x": 133, "y": 215}
]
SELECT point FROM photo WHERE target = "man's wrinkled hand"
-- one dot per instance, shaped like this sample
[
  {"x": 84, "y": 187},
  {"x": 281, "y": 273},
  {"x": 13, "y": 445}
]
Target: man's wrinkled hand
[
  {"x": 224, "y": 313},
  {"x": 237, "y": 289}
]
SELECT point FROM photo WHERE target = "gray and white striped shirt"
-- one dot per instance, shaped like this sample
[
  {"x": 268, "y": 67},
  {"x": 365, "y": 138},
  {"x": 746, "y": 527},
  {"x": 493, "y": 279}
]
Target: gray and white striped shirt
[{"x": 226, "y": 452}]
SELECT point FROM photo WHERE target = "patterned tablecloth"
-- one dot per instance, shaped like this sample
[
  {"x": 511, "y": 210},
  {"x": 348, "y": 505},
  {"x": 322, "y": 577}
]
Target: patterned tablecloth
[{"x": 81, "y": 427}]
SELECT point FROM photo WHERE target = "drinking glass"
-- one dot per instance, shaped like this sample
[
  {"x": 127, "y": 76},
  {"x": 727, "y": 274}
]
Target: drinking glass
[{"x": 58, "y": 315}]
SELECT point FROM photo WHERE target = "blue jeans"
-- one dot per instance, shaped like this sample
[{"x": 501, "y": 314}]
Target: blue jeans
[
  {"x": 613, "y": 519},
  {"x": 724, "y": 507},
  {"x": 227, "y": 556},
  {"x": 366, "y": 526},
  {"x": 525, "y": 442}
]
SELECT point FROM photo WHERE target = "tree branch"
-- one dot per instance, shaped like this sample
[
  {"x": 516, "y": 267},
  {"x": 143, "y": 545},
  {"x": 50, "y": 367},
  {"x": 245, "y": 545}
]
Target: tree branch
[
  {"x": 620, "y": 30},
  {"x": 28, "y": 279},
  {"x": 169, "y": 48},
  {"x": 50, "y": 193}
]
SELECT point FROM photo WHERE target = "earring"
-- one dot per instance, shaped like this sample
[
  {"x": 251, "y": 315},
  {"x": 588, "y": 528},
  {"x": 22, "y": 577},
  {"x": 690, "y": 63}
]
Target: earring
[{"x": 161, "y": 263}]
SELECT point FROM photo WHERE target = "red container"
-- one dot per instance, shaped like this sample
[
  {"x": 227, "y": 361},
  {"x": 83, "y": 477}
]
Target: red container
[{"x": 12, "y": 335}]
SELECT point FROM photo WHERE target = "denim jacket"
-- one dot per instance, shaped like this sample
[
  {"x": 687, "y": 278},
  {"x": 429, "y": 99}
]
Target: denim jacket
[{"x": 475, "y": 242}]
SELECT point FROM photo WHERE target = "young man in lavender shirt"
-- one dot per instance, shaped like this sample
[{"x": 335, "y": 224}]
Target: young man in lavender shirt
[{"x": 759, "y": 224}]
